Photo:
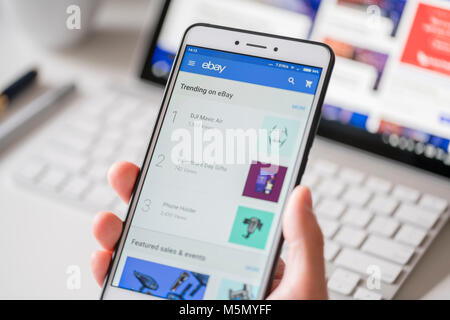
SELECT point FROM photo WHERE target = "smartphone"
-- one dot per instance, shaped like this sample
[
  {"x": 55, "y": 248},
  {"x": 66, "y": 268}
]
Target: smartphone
[{"x": 231, "y": 141}]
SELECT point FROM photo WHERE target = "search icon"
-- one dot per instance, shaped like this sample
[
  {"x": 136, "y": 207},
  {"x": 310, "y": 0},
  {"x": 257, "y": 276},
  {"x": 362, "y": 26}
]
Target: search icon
[{"x": 291, "y": 80}]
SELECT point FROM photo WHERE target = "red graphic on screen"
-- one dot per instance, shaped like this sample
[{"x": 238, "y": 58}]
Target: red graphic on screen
[{"x": 428, "y": 44}]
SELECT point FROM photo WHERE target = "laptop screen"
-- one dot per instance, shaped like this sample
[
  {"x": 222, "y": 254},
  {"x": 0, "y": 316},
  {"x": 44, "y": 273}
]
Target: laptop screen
[{"x": 390, "y": 90}]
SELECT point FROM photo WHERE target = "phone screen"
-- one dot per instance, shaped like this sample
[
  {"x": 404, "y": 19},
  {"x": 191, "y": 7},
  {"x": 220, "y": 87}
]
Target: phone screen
[{"x": 218, "y": 178}]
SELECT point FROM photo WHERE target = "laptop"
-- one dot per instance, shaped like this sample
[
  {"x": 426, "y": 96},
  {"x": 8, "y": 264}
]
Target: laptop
[{"x": 379, "y": 170}]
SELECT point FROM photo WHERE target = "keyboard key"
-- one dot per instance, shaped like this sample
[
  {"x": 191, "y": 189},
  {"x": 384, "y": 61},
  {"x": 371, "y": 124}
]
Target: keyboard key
[
  {"x": 130, "y": 103},
  {"x": 135, "y": 158},
  {"x": 410, "y": 235},
  {"x": 103, "y": 152},
  {"x": 107, "y": 143},
  {"x": 416, "y": 215},
  {"x": 357, "y": 196},
  {"x": 384, "y": 205},
  {"x": 383, "y": 226},
  {"x": 388, "y": 249},
  {"x": 144, "y": 123},
  {"x": 433, "y": 203},
  {"x": 315, "y": 198},
  {"x": 378, "y": 185},
  {"x": 116, "y": 119},
  {"x": 343, "y": 281},
  {"x": 85, "y": 125},
  {"x": 359, "y": 262},
  {"x": 72, "y": 162},
  {"x": 31, "y": 170},
  {"x": 71, "y": 140},
  {"x": 98, "y": 171},
  {"x": 97, "y": 106},
  {"x": 328, "y": 227},
  {"x": 100, "y": 195},
  {"x": 365, "y": 294},
  {"x": 357, "y": 217},
  {"x": 53, "y": 178},
  {"x": 325, "y": 168},
  {"x": 351, "y": 175},
  {"x": 405, "y": 193},
  {"x": 350, "y": 237},
  {"x": 112, "y": 134},
  {"x": 133, "y": 146},
  {"x": 330, "y": 208},
  {"x": 75, "y": 187},
  {"x": 330, "y": 188},
  {"x": 330, "y": 250},
  {"x": 310, "y": 180}
]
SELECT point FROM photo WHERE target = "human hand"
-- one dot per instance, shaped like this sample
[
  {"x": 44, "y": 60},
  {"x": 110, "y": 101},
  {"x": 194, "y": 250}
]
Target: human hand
[{"x": 303, "y": 275}]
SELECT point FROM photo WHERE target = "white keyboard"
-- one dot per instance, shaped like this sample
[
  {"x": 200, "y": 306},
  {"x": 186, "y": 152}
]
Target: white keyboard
[
  {"x": 375, "y": 232},
  {"x": 74, "y": 158}
]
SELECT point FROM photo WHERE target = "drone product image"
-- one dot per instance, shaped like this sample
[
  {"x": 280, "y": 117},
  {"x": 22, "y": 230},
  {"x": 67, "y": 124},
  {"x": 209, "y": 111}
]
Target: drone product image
[{"x": 277, "y": 136}]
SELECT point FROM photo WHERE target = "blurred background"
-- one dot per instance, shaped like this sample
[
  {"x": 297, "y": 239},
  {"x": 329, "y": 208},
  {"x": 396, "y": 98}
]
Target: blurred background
[
  {"x": 101, "y": 66},
  {"x": 42, "y": 239}
]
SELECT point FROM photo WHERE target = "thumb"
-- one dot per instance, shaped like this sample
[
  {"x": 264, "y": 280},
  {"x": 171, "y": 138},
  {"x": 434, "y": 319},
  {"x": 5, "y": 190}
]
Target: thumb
[{"x": 304, "y": 276}]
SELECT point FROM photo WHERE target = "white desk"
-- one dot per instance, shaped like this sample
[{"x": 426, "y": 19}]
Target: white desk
[{"x": 39, "y": 237}]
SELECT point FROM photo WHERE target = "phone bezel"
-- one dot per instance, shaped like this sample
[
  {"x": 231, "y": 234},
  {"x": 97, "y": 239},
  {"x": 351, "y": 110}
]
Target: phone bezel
[{"x": 223, "y": 38}]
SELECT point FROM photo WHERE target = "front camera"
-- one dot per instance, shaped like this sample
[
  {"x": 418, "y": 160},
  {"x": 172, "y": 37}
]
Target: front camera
[
  {"x": 236, "y": 42},
  {"x": 275, "y": 49}
]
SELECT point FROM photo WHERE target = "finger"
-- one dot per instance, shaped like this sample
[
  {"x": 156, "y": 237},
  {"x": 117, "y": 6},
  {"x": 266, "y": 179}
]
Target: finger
[
  {"x": 122, "y": 176},
  {"x": 280, "y": 269},
  {"x": 278, "y": 274},
  {"x": 100, "y": 261},
  {"x": 275, "y": 284},
  {"x": 304, "y": 276},
  {"x": 106, "y": 228}
]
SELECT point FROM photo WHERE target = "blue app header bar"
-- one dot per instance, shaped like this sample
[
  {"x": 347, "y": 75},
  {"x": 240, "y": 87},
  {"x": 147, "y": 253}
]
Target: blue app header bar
[{"x": 260, "y": 71}]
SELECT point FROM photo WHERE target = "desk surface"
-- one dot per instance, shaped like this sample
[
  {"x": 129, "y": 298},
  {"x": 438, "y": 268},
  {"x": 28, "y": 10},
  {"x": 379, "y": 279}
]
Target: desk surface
[{"x": 41, "y": 239}]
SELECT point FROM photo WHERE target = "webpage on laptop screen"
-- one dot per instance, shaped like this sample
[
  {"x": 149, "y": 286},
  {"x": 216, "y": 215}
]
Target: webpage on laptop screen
[{"x": 391, "y": 75}]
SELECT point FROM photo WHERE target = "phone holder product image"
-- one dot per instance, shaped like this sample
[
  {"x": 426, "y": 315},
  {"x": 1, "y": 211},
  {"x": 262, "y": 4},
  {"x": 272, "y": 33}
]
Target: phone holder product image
[{"x": 253, "y": 224}]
